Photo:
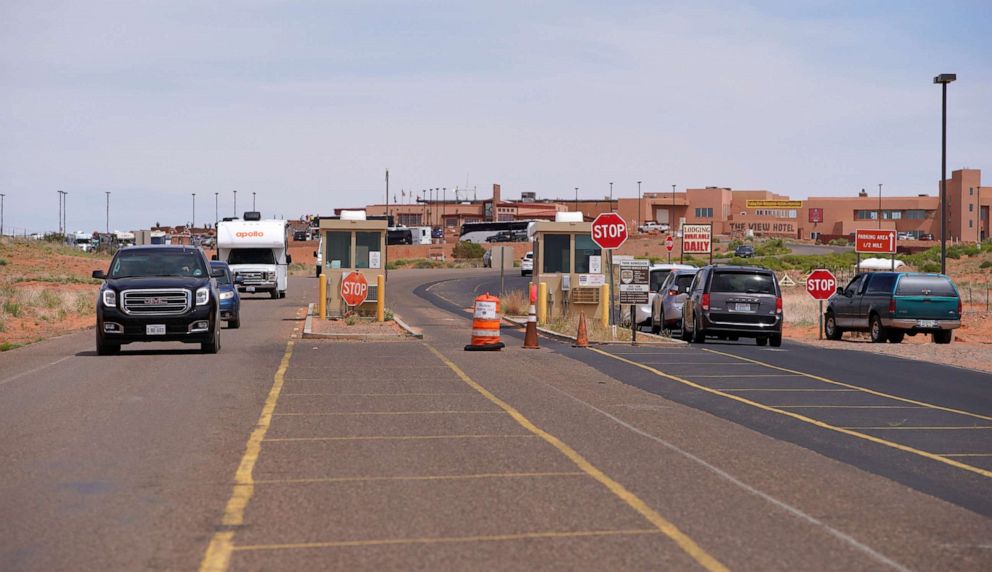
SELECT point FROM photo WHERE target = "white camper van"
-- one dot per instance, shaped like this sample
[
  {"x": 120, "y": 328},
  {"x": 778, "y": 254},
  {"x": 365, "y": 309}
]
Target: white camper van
[{"x": 257, "y": 252}]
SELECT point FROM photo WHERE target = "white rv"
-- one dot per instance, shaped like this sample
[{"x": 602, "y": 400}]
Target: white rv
[{"x": 257, "y": 252}]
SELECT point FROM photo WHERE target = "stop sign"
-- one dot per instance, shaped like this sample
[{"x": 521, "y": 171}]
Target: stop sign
[
  {"x": 821, "y": 284},
  {"x": 669, "y": 243},
  {"x": 354, "y": 289},
  {"x": 609, "y": 231}
]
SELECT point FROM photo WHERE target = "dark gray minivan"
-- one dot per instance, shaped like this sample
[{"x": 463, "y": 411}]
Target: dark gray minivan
[{"x": 731, "y": 302}]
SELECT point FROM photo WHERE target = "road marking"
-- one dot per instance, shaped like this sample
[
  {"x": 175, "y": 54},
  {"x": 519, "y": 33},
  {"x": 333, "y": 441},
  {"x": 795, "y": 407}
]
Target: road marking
[
  {"x": 761, "y": 375},
  {"x": 338, "y": 413},
  {"x": 394, "y": 438},
  {"x": 907, "y": 428},
  {"x": 683, "y": 541},
  {"x": 422, "y": 478},
  {"x": 965, "y": 454},
  {"x": 374, "y": 394},
  {"x": 741, "y": 484},
  {"x": 449, "y": 539},
  {"x": 779, "y": 389},
  {"x": 849, "y": 407},
  {"x": 850, "y": 386},
  {"x": 34, "y": 370},
  {"x": 218, "y": 554},
  {"x": 779, "y": 409},
  {"x": 721, "y": 363}
]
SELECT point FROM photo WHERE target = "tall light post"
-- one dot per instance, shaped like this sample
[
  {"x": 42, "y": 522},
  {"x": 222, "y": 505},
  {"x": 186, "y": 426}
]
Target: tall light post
[
  {"x": 61, "y": 208},
  {"x": 235, "y": 203},
  {"x": 640, "y": 205},
  {"x": 611, "y": 195},
  {"x": 108, "y": 211},
  {"x": 1, "y": 212},
  {"x": 943, "y": 79},
  {"x": 880, "y": 205},
  {"x": 671, "y": 217},
  {"x": 253, "y": 200},
  {"x": 216, "y": 209},
  {"x": 576, "y": 198}
]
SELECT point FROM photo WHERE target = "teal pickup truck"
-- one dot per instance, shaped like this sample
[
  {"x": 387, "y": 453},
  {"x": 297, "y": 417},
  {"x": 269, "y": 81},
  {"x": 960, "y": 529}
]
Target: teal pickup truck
[{"x": 889, "y": 305}]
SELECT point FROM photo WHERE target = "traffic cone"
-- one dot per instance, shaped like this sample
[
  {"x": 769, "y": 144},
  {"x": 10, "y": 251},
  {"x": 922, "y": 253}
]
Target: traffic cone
[
  {"x": 485, "y": 325},
  {"x": 530, "y": 336},
  {"x": 582, "y": 336}
]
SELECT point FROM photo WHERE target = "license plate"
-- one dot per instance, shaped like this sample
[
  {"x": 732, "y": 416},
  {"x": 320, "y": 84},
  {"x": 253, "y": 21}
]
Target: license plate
[
  {"x": 250, "y": 289},
  {"x": 742, "y": 307},
  {"x": 926, "y": 323},
  {"x": 155, "y": 329}
]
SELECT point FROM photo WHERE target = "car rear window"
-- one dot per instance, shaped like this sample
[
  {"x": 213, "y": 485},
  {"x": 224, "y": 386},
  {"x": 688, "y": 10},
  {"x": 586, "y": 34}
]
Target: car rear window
[
  {"x": 743, "y": 282},
  {"x": 683, "y": 281},
  {"x": 881, "y": 284},
  {"x": 658, "y": 278},
  {"x": 925, "y": 286}
]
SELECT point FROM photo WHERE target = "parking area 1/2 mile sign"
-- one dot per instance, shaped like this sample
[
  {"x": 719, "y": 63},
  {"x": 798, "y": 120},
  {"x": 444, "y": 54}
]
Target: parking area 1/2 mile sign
[
  {"x": 875, "y": 241},
  {"x": 634, "y": 279}
]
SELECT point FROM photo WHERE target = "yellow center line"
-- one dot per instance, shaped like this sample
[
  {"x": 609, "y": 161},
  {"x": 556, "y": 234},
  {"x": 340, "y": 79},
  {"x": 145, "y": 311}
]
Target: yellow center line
[
  {"x": 805, "y": 419},
  {"x": 966, "y": 454},
  {"x": 907, "y": 428},
  {"x": 218, "y": 554},
  {"x": 850, "y": 407},
  {"x": 761, "y": 375},
  {"x": 339, "y": 413},
  {"x": 394, "y": 438},
  {"x": 449, "y": 539},
  {"x": 422, "y": 478},
  {"x": 687, "y": 544},
  {"x": 779, "y": 389},
  {"x": 855, "y": 387},
  {"x": 374, "y": 394}
]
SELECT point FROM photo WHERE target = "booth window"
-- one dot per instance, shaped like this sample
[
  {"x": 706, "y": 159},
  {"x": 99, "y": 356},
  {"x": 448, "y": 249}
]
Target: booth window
[
  {"x": 338, "y": 249},
  {"x": 584, "y": 248},
  {"x": 557, "y": 257},
  {"x": 366, "y": 242}
]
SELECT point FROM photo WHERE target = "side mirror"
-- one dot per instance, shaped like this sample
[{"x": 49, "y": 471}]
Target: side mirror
[
  {"x": 216, "y": 272},
  {"x": 99, "y": 275},
  {"x": 289, "y": 259},
  {"x": 840, "y": 290}
]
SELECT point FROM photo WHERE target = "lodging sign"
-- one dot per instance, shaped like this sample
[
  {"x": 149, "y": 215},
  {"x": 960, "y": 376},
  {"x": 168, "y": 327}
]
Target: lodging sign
[
  {"x": 634, "y": 279},
  {"x": 875, "y": 241},
  {"x": 773, "y": 204},
  {"x": 697, "y": 238}
]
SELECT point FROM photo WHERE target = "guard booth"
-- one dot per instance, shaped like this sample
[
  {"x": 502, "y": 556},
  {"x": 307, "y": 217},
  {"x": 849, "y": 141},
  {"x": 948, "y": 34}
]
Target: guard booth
[
  {"x": 571, "y": 266},
  {"x": 352, "y": 243}
]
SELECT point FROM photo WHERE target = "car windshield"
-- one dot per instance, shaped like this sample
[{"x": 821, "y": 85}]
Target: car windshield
[
  {"x": 742, "y": 283},
  {"x": 251, "y": 256},
  {"x": 225, "y": 279},
  {"x": 135, "y": 263},
  {"x": 925, "y": 286}
]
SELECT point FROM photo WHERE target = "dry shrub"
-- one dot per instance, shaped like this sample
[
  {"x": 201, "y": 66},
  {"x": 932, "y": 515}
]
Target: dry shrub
[
  {"x": 800, "y": 309},
  {"x": 514, "y": 303}
]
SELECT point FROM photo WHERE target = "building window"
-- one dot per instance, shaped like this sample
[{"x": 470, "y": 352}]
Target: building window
[
  {"x": 704, "y": 212},
  {"x": 408, "y": 219},
  {"x": 971, "y": 207},
  {"x": 892, "y": 215},
  {"x": 338, "y": 249},
  {"x": 556, "y": 253},
  {"x": 971, "y": 224},
  {"x": 865, "y": 215},
  {"x": 916, "y": 214},
  {"x": 777, "y": 213},
  {"x": 366, "y": 242},
  {"x": 971, "y": 191},
  {"x": 584, "y": 248}
]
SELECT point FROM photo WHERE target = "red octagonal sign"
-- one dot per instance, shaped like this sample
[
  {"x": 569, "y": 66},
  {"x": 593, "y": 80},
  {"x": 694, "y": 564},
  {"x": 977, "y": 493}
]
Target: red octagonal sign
[
  {"x": 354, "y": 289},
  {"x": 821, "y": 284},
  {"x": 609, "y": 231}
]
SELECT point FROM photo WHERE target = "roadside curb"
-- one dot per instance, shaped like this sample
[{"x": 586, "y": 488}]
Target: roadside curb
[
  {"x": 652, "y": 340},
  {"x": 414, "y": 333}
]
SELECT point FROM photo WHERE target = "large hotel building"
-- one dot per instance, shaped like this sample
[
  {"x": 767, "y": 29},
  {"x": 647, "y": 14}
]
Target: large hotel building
[{"x": 736, "y": 212}]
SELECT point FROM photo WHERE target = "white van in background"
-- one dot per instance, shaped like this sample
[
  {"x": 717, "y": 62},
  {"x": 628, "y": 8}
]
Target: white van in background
[{"x": 257, "y": 252}]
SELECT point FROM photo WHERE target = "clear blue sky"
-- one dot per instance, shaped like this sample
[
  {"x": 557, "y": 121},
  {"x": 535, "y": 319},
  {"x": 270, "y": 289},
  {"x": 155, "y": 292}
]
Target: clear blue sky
[{"x": 307, "y": 103}]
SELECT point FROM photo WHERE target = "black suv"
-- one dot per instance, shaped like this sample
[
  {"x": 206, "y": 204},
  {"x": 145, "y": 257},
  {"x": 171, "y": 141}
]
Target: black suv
[
  {"x": 158, "y": 294},
  {"x": 731, "y": 302},
  {"x": 744, "y": 251}
]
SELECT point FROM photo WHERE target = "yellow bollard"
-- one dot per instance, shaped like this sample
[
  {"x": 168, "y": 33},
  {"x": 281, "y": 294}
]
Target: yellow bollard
[
  {"x": 322, "y": 300},
  {"x": 542, "y": 302},
  {"x": 380, "y": 298},
  {"x": 604, "y": 305}
]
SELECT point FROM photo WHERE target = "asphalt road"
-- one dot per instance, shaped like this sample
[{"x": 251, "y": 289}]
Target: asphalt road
[{"x": 289, "y": 454}]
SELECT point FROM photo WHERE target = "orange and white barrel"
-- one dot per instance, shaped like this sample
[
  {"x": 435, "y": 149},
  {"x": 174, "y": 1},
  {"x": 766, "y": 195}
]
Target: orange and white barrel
[{"x": 485, "y": 325}]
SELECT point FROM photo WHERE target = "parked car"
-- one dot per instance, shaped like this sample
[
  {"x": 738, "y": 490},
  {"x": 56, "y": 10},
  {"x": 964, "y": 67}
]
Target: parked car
[
  {"x": 926, "y": 236},
  {"x": 744, "y": 251},
  {"x": 666, "y": 308},
  {"x": 230, "y": 300},
  {"x": 658, "y": 274},
  {"x": 158, "y": 293},
  {"x": 437, "y": 232},
  {"x": 890, "y": 305},
  {"x": 731, "y": 302},
  {"x": 399, "y": 236},
  {"x": 527, "y": 264}
]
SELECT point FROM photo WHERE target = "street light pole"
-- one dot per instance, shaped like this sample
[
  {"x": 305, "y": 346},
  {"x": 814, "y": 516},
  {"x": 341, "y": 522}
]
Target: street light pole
[
  {"x": 108, "y": 211},
  {"x": 235, "y": 203},
  {"x": 611, "y": 195},
  {"x": 640, "y": 205},
  {"x": 253, "y": 200},
  {"x": 943, "y": 79},
  {"x": 193, "y": 225},
  {"x": 1, "y": 213},
  {"x": 880, "y": 205},
  {"x": 216, "y": 209}
]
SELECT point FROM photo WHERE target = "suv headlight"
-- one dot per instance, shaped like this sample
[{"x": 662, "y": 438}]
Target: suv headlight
[
  {"x": 109, "y": 298},
  {"x": 226, "y": 295},
  {"x": 202, "y": 296}
]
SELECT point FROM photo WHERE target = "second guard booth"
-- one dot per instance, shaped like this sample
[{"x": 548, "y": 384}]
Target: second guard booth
[
  {"x": 571, "y": 268},
  {"x": 352, "y": 243}
]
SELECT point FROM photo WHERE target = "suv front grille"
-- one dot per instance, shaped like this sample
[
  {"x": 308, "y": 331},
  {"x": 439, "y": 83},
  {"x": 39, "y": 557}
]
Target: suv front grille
[{"x": 157, "y": 302}]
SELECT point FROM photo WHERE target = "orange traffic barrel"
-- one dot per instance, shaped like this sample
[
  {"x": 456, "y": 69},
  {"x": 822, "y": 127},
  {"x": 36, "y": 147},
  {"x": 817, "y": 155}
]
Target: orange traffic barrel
[{"x": 485, "y": 325}]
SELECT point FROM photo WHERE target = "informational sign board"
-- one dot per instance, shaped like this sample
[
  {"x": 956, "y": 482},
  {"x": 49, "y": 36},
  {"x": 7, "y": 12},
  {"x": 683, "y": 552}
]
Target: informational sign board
[
  {"x": 634, "y": 280},
  {"x": 595, "y": 264},
  {"x": 774, "y": 204},
  {"x": 875, "y": 241},
  {"x": 816, "y": 214},
  {"x": 622, "y": 258},
  {"x": 591, "y": 280},
  {"x": 609, "y": 231},
  {"x": 354, "y": 289},
  {"x": 697, "y": 238},
  {"x": 375, "y": 259},
  {"x": 669, "y": 243}
]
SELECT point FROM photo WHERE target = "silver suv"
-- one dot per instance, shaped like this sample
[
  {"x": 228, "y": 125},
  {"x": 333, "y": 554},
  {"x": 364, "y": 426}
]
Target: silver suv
[{"x": 730, "y": 302}]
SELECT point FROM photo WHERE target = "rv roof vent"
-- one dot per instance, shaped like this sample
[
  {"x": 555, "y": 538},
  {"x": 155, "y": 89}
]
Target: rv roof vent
[
  {"x": 353, "y": 215},
  {"x": 573, "y": 216},
  {"x": 253, "y": 215}
]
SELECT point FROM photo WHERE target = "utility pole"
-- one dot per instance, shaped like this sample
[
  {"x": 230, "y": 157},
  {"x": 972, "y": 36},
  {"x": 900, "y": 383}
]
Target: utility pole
[
  {"x": 444, "y": 204},
  {"x": 216, "y": 210},
  {"x": 253, "y": 200},
  {"x": 1, "y": 213},
  {"x": 640, "y": 205},
  {"x": 193, "y": 224},
  {"x": 60, "y": 213},
  {"x": 108, "y": 211},
  {"x": 576, "y": 198},
  {"x": 235, "y": 203},
  {"x": 943, "y": 79},
  {"x": 880, "y": 205},
  {"x": 387, "y": 196},
  {"x": 611, "y": 195}
]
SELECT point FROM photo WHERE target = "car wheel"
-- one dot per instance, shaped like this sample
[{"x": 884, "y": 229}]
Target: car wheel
[
  {"x": 213, "y": 346},
  {"x": 235, "y": 322},
  {"x": 282, "y": 294},
  {"x": 105, "y": 348},
  {"x": 943, "y": 336},
  {"x": 274, "y": 294},
  {"x": 655, "y": 327},
  {"x": 698, "y": 335},
  {"x": 896, "y": 336},
  {"x": 876, "y": 331},
  {"x": 775, "y": 340},
  {"x": 761, "y": 341},
  {"x": 830, "y": 328}
]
